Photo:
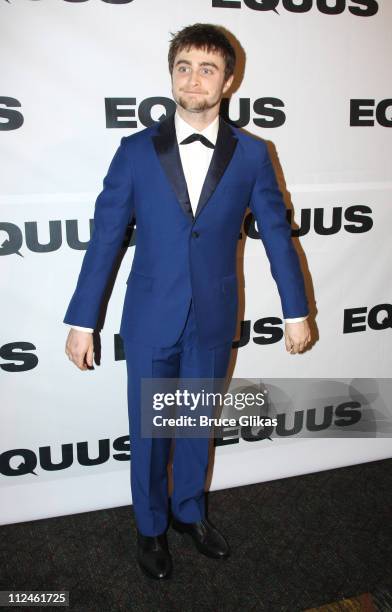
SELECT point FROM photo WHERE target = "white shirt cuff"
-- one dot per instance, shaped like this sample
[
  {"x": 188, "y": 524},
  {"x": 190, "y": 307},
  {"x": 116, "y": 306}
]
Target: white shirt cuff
[
  {"x": 296, "y": 320},
  {"x": 85, "y": 329}
]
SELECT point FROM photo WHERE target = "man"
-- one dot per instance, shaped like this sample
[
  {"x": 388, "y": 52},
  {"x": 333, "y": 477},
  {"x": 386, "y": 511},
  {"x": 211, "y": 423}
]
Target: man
[{"x": 188, "y": 180}]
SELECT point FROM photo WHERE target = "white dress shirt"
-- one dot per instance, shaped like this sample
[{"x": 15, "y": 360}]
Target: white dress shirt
[
  {"x": 195, "y": 156},
  {"x": 195, "y": 160}
]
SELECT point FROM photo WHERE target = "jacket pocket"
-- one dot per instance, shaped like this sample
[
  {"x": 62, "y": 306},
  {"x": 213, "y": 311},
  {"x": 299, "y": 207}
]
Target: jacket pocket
[{"x": 141, "y": 281}]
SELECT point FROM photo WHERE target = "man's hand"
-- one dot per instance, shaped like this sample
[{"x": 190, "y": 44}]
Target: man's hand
[
  {"x": 297, "y": 336},
  {"x": 79, "y": 348}
]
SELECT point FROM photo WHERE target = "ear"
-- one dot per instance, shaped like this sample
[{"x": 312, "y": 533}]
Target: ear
[{"x": 228, "y": 83}]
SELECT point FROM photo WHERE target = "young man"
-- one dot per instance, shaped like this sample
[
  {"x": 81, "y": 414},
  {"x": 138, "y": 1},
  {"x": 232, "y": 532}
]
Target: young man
[{"x": 188, "y": 180}]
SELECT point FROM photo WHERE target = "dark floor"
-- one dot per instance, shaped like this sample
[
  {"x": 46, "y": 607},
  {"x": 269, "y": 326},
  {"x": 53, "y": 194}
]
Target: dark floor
[{"x": 297, "y": 543}]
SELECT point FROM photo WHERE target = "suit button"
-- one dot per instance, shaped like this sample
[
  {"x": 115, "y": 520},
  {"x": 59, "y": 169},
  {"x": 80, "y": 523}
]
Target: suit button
[{"x": 195, "y": 234}]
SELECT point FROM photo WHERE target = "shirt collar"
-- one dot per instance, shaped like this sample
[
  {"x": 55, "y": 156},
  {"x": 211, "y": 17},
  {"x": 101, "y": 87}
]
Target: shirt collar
[{"x": 183, "y": 129}]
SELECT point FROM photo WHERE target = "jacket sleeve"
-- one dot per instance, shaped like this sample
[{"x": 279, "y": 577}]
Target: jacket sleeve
[
  {"x": 267, "y": 205},
  {"x": 114, "y": 208}
]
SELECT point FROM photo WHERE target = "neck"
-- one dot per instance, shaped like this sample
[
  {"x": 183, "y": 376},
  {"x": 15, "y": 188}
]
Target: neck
[{"x": 200, "y": 120}]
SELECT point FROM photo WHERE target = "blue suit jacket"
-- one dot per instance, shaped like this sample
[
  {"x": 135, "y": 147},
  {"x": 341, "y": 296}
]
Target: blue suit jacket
[{"x": 179, "y": 256}]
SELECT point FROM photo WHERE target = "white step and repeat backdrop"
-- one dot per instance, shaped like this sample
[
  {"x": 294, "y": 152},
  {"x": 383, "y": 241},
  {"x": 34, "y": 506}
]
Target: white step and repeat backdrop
[{"x": 76, "y": 76}]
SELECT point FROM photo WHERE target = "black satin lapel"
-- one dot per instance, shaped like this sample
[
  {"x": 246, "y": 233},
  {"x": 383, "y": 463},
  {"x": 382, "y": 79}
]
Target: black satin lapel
[
  {"x": 166, "y": 146},
  {"x": 226, "y": 143}
]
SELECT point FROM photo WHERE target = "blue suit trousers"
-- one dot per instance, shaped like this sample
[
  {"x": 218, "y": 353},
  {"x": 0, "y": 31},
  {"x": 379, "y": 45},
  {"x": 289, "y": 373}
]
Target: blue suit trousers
[{"x": 187, "y": 358}]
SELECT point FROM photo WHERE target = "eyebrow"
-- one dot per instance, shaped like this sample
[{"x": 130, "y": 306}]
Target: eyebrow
[{"x": 184, "y": 61}]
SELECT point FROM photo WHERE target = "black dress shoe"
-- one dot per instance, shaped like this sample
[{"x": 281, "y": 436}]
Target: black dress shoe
[
  {"x": 208, "y": 540},
  {"x": 153, "y": 555}
]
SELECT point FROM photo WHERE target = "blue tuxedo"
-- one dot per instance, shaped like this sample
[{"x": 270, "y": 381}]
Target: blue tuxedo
[
  {"x": 179, "y": 256},
  {"x": 180, "y": 309}
]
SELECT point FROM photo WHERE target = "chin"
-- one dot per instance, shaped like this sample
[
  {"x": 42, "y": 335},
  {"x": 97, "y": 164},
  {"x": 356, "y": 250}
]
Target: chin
[{"x": 193, "y": 107}]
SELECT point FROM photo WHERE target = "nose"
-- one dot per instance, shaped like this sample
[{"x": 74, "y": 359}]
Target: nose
[{"x": 194, "y": 79}]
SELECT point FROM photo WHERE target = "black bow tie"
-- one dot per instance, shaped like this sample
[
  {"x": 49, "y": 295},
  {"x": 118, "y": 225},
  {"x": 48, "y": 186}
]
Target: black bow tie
[{"x": 200, "y": 137}]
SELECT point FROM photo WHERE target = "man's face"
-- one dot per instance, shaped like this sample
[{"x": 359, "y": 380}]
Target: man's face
[{"x": 198, "y": 79}]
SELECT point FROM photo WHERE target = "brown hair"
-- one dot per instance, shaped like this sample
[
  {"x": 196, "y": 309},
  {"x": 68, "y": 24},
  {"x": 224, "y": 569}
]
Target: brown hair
[{"x": 203, "y": 36}]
